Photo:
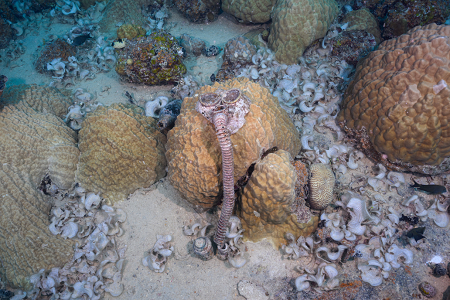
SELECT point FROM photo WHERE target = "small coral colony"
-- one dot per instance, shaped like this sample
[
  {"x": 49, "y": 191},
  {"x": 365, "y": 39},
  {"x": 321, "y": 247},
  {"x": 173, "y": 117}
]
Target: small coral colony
[{"x": 325, "y": 131}]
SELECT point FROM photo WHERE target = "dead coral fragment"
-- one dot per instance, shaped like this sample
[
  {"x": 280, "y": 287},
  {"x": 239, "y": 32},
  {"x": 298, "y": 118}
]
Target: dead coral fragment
[{"x": 155, "y": 59}]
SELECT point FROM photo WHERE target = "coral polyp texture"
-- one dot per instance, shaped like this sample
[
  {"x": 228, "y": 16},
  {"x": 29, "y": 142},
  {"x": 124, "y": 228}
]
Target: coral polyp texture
[
  {"x": 33, "y": 145},
  {"x": 155, "y": 59},
  {"x": 397, "y": 106},
  {"x": 121, "y": 151},
  {"x": 321, "y": 186},
  {"x": 41, "y": 98},
  {"x": 250, "y": 11},
  {"x": 296, "y": 24},
  {"x": 193, "y": 151},
  {"x": 268, "y": 199}
]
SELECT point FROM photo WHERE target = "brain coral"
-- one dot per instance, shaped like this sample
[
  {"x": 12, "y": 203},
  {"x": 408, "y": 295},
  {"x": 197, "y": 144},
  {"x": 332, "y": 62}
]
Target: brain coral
[
  {"x": 193, "y": 152},
  {"x": 26, "y": 243},
  {"x": 397, "y": 105},
  {"x": 296, "y": 24},
  {"x": 267, "y": 202},
  {"x": 321, "y": 186},
  {"x": 41, "y": 98},
  {"x": 121, "y": 151},
  {"x": 252, "y": 11},
  {"x": 33, "y": 145},
  {"x": 38, "y": 144}
]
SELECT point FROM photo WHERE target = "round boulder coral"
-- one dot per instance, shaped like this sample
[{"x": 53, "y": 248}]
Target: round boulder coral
[
  {"x": 267, "y": 206},
  {"x": 130, "y": 31},
  {"x": 33, "y": 145},
  {"x": 397, "y": 106},
  {"x": 193, "y": 151},
  {"x": 296, "y": 24},
  {"x": 250, "y": 11},
  {"x": 121, "y": 151}
]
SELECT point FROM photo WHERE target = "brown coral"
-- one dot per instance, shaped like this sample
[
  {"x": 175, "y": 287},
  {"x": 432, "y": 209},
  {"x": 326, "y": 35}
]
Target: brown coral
[
  {"x": 121, "y": 151},
  {"x": 41, "y": 98},
  {"x": 130, "y": 31},
  {"x": 321, "y": 186},
  {"x": 362, "y": 19},
  {"x": 398, "y": 103},
  {"x": 199, "y": 11},
  {"x": 57, "y": 49},
  {"x": 38, "y": 144},
  {"x": 33, "y": 145},
  {"x": 250, "y": 11},
  {"x": 296, "y": 24},
  {"x": 267, "y": 201},
  {"x": 122, "y": 11},
  {"x": 193, "y": 152}
]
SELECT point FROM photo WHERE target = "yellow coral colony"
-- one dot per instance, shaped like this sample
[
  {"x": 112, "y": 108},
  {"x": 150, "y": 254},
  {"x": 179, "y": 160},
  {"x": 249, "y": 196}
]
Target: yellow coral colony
[
  {"x": 121, "y": 151},
  {"x": 33, "y": 144}
]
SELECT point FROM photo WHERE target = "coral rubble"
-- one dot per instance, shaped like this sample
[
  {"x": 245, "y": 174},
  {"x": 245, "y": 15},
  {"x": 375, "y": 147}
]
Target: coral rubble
[{"x": 153, "y": 60}]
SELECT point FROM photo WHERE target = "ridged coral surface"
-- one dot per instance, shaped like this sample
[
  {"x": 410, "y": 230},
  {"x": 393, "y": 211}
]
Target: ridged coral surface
[
  {"x": 41, "y": 98},
  {"x": 38, "y": 144},
  {"x": 298, "y": 23},
  {"x": 32, "y": 145},
  {"x": 193, "y": 152},
  {"x": 266, "y": 209},
  {"x": 26, "y": 243},
  {"x": 321, "y": 186},
  {"x": 252, "y": 11},
  {"x": 121, "y": 151},
  {"x": 397, "y": 106}
]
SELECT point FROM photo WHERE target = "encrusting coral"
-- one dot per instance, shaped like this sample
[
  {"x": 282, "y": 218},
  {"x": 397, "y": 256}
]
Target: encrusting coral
[
  {"x": 296, "y": 24},
  {"x": 193, "y": 152},
  {"x": 267, "y": 208},
  {"x": 121, "y": 151},
  {"x": 34, "y": 145},
  {"x": 397, "y": 105},
  {"x": 57, "y": 49}
]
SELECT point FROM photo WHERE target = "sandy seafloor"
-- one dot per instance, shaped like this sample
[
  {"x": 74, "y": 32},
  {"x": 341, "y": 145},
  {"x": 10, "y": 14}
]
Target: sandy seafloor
[{"x": 161, "y": 209}]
